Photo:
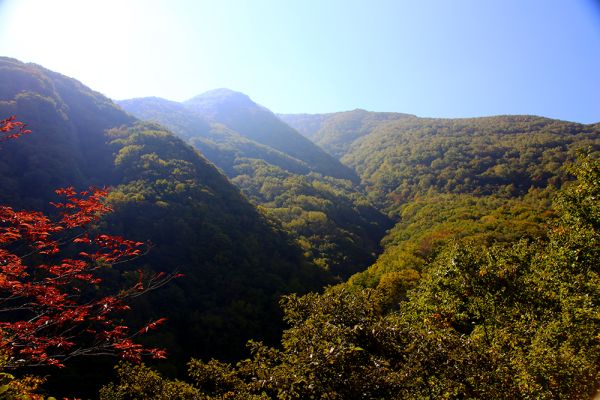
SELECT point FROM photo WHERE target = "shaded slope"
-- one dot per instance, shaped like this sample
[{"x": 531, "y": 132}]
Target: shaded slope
[{"x": 236, "y": 263}]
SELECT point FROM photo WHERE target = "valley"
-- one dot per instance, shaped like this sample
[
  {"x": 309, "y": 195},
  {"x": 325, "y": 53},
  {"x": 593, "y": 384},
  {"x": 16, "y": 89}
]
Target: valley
[{"x": 357, "y": 253}]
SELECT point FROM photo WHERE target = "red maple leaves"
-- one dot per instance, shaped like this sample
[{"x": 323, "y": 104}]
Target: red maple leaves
[
  {"x": 10, "y": 128},
  {"x": 49, "y": 307}
]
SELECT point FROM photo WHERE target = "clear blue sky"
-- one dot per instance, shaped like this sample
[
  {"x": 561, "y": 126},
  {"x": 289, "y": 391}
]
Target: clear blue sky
[{"x": 446, "y": 58}]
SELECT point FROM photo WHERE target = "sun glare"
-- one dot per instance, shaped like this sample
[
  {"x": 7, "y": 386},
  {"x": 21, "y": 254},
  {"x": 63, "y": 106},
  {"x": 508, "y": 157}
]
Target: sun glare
[{"x": 94, "y": 41}]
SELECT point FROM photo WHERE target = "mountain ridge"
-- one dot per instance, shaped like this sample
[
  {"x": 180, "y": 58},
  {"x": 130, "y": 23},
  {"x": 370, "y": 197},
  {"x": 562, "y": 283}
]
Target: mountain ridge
[
  {"x": 256, "y": 123},
  {"x": 334, "y": 132},
  {"x": 237, "y": 111}
]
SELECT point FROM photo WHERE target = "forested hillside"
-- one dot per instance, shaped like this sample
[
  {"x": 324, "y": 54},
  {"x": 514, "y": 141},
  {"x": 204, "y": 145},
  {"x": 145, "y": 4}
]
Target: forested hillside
[
  {"x": 487, "y": 179},
  {"x": 335, "y": 132},
  {"x": 294, "y": 181},
  {"x": 236, "y": 263},
  {"x": 483, "y": 288},
  {"x": 501, "y": 321},
  {"x": 482, "y": 156},
  {"x": 399, "y": 156},
  {"x": 457, "y": 172},
  {"x": 219, "y": 143},
  {"x": 236, "y": 111}
]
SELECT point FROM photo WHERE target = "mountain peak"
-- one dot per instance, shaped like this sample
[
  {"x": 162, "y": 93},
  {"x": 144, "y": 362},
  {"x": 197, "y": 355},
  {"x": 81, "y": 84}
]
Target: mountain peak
[{"x": 221, "y": 95}]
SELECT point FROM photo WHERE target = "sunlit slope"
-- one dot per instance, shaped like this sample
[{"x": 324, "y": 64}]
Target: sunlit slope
[
  {"x": 493, "y": 155},
  {"x": 335, "y": 132}
]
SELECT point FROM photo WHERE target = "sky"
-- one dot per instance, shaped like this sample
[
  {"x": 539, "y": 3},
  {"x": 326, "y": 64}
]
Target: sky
[{"x": 445, "y": 58}]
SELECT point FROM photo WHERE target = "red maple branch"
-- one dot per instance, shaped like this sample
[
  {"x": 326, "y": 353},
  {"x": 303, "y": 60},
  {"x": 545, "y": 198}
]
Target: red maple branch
[{"x": 49, "y": 309}]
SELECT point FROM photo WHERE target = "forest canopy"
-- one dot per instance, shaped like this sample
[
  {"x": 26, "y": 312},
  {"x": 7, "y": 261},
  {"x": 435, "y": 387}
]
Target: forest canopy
[{"x": 510, "y": 320}]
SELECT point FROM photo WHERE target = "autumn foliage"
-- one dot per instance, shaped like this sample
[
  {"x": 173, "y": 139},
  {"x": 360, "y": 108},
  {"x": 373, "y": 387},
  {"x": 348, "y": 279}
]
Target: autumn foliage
[
  {"x": 50, "y": 309},
  {"x": 10, "y": 128}
]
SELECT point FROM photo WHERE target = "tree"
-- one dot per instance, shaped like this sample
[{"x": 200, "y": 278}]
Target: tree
[
  {"x": 501, "y": 321},
  {"x": 50, "y": 307}
]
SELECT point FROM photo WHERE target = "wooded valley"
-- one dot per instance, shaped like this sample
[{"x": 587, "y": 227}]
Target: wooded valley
[{"x": 345, "y": 255}]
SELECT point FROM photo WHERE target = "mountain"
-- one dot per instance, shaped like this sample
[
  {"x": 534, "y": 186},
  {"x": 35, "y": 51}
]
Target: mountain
[
  {"x": 477, "y": 180},
  {"x": 506, "y": 155},
  {"x": 221, "y": 144},
  {"x": 484, "y": 180},
  {"x": 509, "y": 320},
  {"x": 292, "y": 180},
  {"x": 399, "y": 156},
  {"x": 335, "y": 132},
  {"x": 239, "y": 113},
  {"x": 484, "y": 288},
  {"x": 236, "y": 262}
]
